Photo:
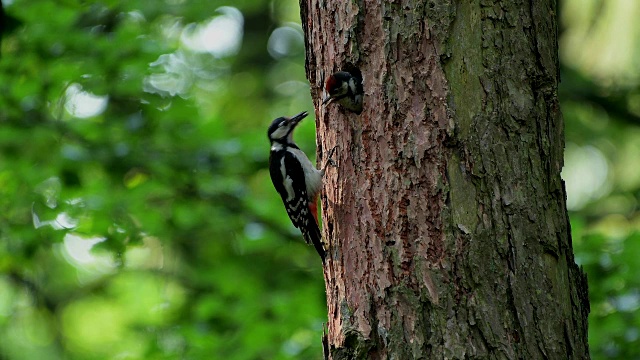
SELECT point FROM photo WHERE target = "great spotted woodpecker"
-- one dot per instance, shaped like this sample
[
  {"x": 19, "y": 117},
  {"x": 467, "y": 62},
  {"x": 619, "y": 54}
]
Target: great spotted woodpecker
[
  {"x": 297, "y": 180},
  {"x": 346, "y": 89}
]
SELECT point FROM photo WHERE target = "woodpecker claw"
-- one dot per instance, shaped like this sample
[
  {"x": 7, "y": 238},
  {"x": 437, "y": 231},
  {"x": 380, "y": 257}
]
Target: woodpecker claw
[{"x": 330, "y": 161}]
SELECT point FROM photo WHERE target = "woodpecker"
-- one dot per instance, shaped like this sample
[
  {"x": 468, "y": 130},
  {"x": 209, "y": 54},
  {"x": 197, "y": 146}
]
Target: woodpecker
[
  {"x": 297, "y": 180},
  {"x": 346, "y": 89}
]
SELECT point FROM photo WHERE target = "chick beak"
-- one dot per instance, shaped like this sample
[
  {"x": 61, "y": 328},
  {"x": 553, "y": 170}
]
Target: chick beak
[{"x": 327, "y": 100}]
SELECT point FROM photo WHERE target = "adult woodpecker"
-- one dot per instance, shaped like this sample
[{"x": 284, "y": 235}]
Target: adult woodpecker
[
  {"x": 346, "y": 89},
  {"x": 296, "y": 179}
]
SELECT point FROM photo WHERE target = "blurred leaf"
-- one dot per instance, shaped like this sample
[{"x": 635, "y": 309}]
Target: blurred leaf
[{"x": 127, "y": 211}]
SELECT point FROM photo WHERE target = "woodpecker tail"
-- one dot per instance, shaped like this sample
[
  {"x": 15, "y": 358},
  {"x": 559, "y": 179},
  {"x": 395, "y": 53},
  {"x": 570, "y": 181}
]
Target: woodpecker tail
[
  {"x": 311, "y": 232},
  {"x": 312, "y": 235}
]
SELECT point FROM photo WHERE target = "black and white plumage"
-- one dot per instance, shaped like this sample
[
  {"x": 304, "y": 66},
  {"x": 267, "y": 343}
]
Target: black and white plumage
[
  {"x": 296, "y": 179},
  {"x": 345, "y": 89}
]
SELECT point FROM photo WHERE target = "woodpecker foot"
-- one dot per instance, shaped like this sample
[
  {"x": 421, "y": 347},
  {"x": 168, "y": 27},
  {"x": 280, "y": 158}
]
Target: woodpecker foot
[{"x": 330, "y": 161}]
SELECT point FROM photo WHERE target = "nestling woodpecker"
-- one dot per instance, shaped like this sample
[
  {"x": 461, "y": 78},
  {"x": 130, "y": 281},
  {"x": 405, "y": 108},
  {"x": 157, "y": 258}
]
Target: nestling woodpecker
[
  {"x": 296, "y": 179},
  {"x": 346, "y": 89}
]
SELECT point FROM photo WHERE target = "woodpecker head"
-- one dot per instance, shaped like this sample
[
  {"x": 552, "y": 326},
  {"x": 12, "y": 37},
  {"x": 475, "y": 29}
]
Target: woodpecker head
[
  {"x": 345, "y": 89},
  {"x": 281, "y": 129},
  {"x": 336, "y": 86}
]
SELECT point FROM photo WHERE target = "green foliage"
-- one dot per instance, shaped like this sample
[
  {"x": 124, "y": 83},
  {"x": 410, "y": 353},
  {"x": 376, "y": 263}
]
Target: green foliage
[
  {"x": 138, "y": 219},
  {"x": 599, "y": 94}
]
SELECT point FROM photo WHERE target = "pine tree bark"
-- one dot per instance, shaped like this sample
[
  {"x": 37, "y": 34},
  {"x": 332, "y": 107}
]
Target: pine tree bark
[{"x": 446, "y": 219}]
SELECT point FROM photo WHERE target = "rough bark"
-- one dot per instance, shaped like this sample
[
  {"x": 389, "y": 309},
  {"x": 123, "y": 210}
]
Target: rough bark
[{"x": 446, "y": 218}]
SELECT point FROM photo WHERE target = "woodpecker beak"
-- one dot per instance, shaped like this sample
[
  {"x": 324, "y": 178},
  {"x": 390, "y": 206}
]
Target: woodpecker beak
[
  {"x": 327, "y": 100},
  {"x": 295, "y": 119}
]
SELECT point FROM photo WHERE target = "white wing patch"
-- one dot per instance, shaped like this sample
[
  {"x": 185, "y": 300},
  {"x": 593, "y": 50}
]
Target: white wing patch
[
  {"x": 312, "y": 176},
  {"x": 288, "y": 182}
]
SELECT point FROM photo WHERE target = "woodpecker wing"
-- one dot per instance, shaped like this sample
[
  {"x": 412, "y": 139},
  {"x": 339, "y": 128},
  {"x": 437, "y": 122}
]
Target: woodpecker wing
[{"x": 288, "y": 178}]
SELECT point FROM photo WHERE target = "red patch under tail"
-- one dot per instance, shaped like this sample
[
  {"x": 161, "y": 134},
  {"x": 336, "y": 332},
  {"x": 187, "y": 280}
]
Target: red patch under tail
[{"x": 313, "y": 206}]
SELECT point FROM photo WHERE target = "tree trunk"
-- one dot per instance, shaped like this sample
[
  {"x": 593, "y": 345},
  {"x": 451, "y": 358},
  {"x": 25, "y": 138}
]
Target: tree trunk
[{"x": 446, "y": 220}]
